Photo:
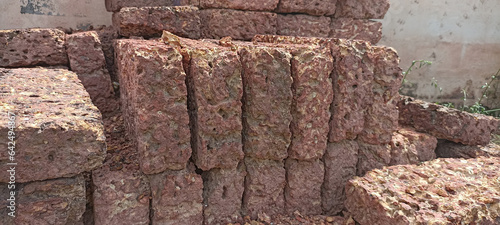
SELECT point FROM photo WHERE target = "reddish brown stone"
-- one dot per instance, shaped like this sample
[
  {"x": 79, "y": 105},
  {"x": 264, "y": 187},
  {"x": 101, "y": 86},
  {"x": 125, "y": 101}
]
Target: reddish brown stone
[
  {"x": 177, "y": 198},
  {"x": 311, "y": 7},
  {"x": 32, "y": 47},
  {"x": 120, "y": 197},
  {"x": 277, "y": 39},
  {"x": 267, "y": 101},
  {"x": 58, "y": 201},
  {"x": 86, "y": 59},
  {"x": 151, "y": 21},
  {"x": 116, "y": 5},
  {"x": 352, "y": 87},
  {"x": 445, "y": 123},
  {"x": 264, "y": 185},
  {"x": 312, "y": 97},
  {"x": 154, "y": 102},
  {"x": 340, "y": 166},
  {"x": 215, "y": 87},
  {"x": 240, "y": 25},
  {"x": 449, "y": 149},
  {"x": 406, "y": 147},
  {"x": 257, "y": 5},
  {"x": 59, "y": 133},
  {"x": 362, "y": 9},
  {"x": 442, "y": 191},
  {"x": 381, "y": 117},
  {"x": 107, "y": 35},
  {"x": 303, "y": 25},
  {"x": 222, "y": 194},
  {"x": 303, "y": 186},
  {"x": 359, "y": 29}
]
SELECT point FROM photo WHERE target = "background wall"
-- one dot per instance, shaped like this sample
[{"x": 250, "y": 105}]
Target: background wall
[
  {"x": 461, "y": 38},
  {"x": 76, "y": 14}
]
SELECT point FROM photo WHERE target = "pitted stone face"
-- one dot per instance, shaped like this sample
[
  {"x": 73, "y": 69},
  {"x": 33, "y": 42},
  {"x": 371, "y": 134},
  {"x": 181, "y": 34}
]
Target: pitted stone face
[
  {"x": 32, "y": 47},
  {"x": 59, "y": 132}
]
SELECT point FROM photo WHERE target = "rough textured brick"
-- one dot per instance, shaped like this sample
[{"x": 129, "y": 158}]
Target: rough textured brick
[
  {"x": 340, "y": 166},
  {"x": 58, "y": 201},
  {"x": 264, "y": 185},
  {"x": 362, "y": 9},
  {"x": 177, "y": 197},
  {"x": 215, "y": 87},
  {"x": 442, "y": 191},
  {"x": 445, "y": 123},
  {"x": 222, "y": 195},
  {"x": 267, "y": 101},
  {"x": 303, "y": 25},
  {"x": 86, "y": 59},
  {"x": 312, "y": 97},
  {"x": 120, "y": 197},
  {"x": 449, "y": 149},
  {"x": 257, "y": 5},
  {"x": 107, "y": 35},
  {"x": 406, "y": 147},
  {"x": 116, "y": 5},
  {"x": 381, "y": 117},
  {"x": 311, "y": 7},
  {"x": 32, "y": 47},
  {"x": 59, "y": 133},
  {"x": 151, "y": 21},
  {"x": 359, "y": 29},
  {"x": 277, "y": 39},
  {"x": 303, "y": 186},
  {"x": 154, "y": 101},
  {"x": 240, "y": 25},
  {"x": 352, "y": 87}
]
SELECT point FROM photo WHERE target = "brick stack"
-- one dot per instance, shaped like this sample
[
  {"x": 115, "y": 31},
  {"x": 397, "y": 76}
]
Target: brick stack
[{"x": 243, "y": 19}]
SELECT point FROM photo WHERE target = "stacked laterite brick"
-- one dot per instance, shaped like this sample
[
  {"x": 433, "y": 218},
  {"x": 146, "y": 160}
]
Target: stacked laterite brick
[
  {"x": 243, "y": 19},
  {"x": 52, "y": 134},
  {"x": 223, "y": 129}
]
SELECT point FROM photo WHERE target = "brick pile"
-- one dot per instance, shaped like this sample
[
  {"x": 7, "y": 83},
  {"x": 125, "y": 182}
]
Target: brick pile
[{"x": 243, "y": 19}]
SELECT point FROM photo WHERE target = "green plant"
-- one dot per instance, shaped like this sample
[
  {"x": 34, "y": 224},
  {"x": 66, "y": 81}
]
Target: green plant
[{"x": 421, "y": 63}]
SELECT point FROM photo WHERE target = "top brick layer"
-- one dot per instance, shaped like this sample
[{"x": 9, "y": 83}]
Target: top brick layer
[
  {"x": 32, "y": 47},
  {"x": 59, "y": 133},
  {"x": 355, "y": 9}
]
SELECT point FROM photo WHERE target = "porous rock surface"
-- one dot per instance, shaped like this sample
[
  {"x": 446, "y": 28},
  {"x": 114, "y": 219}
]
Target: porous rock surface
[
  {"x": 303, "y": 25},
  {"x": 311, "y": 7},
  {"x": 442, "y": 191},
  {"x": 303, "y": 186},
  {"x": 215, "y": 89},
  {"x": 264, "y": 185},
  {"x": 267, "y": 84},
  {"x": 362, "y": 9},
  {"x": 154, "y": 102},
  {"x": 120, "y": 196},
  {"x": 257, "y": 5},
  {"x": 407, "y": 146},
  {"x": 241, "y": 25},
  {"x": 446, "y": 123},
  {"x": 59, "y": 132},
  {"x": 57, "y": 201},
  {"x": 86, "y": 59},
  {"x": 32, "y": 47},
  {"x": 360, "y": 29},
  {"x": 340, "y": 161},
  {"x": 177, "y": 197},
  {"x": 222, "y": 195},
  {"x": 116, "y": 5},
  {"x": 151, "y": 21}
]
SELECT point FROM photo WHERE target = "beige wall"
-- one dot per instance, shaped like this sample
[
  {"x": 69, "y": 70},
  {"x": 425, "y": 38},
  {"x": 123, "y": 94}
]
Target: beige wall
[
  {"x": 461, "y": 38},
  {"x": 53, "y": 13}
]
